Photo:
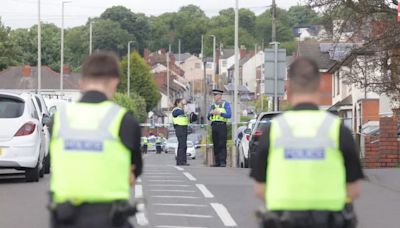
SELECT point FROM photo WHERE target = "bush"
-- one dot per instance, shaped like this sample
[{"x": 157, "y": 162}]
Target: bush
[{"x": 134, "y": 104}]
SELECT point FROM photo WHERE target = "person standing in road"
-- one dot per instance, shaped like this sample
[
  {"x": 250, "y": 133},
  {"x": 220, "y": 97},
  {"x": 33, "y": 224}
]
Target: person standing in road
[
  {"x": 181, "y": 122},
  {"x": 306, "y": 167},
  {"x": 158, "y": 145},
  {"x": 219, "y": 114},
  {"x": 95, "y": 153},
  {"x": 145, "y": 144}
]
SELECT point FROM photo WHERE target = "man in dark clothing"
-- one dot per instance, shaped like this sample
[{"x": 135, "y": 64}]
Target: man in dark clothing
[
  {"x": 220, "y": 112},
  {"x": 306, "y": 167},
  {"x": 95, "y": 153}
]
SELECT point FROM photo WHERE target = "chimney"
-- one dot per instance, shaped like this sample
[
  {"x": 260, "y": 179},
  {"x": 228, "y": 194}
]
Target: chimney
[
  {"x": 173, "y": 59},
  {"x": 67, "y": 69},
  {"x": 242, "y": 51},
  {"x": 26, "y": 71}
]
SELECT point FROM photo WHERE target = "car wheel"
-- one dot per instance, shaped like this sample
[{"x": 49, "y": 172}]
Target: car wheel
[
  {"x": 32, "y": 174},
  {"x": 47, "y": 164}
]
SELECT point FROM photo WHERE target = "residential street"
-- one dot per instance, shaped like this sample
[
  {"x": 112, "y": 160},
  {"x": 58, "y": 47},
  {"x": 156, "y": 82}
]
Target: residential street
[{"x": 195, "y": 196}]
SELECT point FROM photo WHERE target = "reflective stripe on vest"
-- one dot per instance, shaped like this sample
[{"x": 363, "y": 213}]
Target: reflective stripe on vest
[
  {"x": 222, "y": 109},
  {"x": 89, "y": 162},
  {"x": 305, "y": 166},
  {"x": 181, "y": 120}
]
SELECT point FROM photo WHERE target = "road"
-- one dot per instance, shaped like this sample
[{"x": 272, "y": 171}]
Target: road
[{"x": 194, "y": 197}]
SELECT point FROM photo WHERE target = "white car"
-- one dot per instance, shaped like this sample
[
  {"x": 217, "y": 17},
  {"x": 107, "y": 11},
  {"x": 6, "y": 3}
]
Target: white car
[
  {"x": 244, "y": 145},
  {"x": 21, "y": 135},
  {"x": 171, "y": 144},
  {"x": 44, "y": 113},
  {"x": 190, "y": 152}
]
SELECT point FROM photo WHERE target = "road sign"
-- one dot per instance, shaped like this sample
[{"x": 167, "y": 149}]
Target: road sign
[{"x": 269, "y": 71}]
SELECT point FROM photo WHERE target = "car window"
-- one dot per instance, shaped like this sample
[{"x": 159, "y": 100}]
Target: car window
[
  {"x": 11, "y": 108},
  {"x": 39, "y": 104},
  {"x": 265, "y": 121},
  {"x": 189, "y": 143},
  {"x": 34, "y": 112}
]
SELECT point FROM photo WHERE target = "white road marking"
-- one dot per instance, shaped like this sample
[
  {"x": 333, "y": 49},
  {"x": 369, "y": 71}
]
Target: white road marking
[
  {"x": 140, "y": 216},
  {"x": 177, "y": 197},
  {"x": 162, "y": 226},
  {"x": 178, "y": 168},
  {"x": 138, "y": 191},
  {"x": 170, "y": 185},
  {"x": 223, "y": 214},
  {"x": 166, "y": 181},
  {"x": 170, "y": 190},
  {"x": 158, "y": 176},
  {"x": 189, "y": 176},
  {"x": 205, "y": 191},
  {"x": 180, "y": 205},
  {"x": 184, "y": 215}
]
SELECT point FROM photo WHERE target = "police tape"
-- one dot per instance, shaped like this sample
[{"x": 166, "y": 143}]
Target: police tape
[{"x": 190, "y": 125}]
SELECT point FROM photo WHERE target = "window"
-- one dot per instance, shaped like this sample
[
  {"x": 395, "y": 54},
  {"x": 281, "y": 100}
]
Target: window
[
  {"x": 334, "y": 85},
  {"x": 34, "y": 113},
  {"x": 224, "y": 64},
  {"x": 197, "y": 65},
  {"x": 337, "y": 83},
  {"x": 11, "y": 108}
]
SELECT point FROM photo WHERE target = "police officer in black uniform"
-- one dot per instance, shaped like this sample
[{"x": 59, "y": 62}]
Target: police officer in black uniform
[
  {"x": 306, "y": 168},
  {"x": 181, "y": 122},
  {"x": 220, "y": 112},
  {"x": 92, "y": 166}
]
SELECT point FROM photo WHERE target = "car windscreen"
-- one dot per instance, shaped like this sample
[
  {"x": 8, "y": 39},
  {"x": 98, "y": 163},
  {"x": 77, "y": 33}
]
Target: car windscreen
[
  {"x": 11, "y": 107},
  {"x": 265, "y": 121}
]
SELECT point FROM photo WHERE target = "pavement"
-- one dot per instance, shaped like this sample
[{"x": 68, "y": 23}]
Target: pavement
[{"x": 194, "y": 197}]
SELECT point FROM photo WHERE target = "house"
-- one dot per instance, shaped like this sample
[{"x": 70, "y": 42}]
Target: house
[
  {"x": 226, "y": 59},
  {"x": 25, "y": 78},
  {"x": 193, "y": 67},
  {"x": 252, "y": 72},
  {"x": 304, "y": 32}
]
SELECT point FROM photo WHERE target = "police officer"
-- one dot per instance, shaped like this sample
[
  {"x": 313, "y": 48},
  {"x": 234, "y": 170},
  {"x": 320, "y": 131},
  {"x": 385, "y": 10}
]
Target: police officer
[
  {"x": 220, "y": 112},
  {"x": 145, "y": 144},
  {"x": 306, "y": 167},
  {"x": 181, "y": 122},
  {"x": 158, "y": 145},
  {"x": 95, "y": 153}
]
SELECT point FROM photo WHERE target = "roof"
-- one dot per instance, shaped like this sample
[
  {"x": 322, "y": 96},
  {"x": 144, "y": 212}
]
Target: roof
[
  {"x": 12, "y": 78},
  {"x": 345, "y": 102},
  {"x": 311, "y": 49},
  {"x": 227, "y": 53},
  {"x": 241, "y": 88},
  {"x": 183, "y": 56},
  {"x": 242, "y": 61},
  {"x": 312, "y": 29}
]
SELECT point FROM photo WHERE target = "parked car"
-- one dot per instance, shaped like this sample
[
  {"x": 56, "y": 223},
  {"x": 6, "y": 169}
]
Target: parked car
[
  {"x": 243, "y": 146},
  {"x": 171, "y": 144},
  {"x": 21, "y": 135},
  {"x": 263, "y": 120},
  {"x": 190, "y": 152},
  {"x": 44, "y": 113},
  {"x": 195, "y": 139}
]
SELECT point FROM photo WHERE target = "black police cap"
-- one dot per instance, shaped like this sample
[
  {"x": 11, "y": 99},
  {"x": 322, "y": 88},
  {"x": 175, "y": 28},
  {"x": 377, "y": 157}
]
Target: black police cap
[{"x": 217, "y": 91}]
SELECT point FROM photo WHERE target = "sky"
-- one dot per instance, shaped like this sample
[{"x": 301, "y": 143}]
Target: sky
[{"x": 23, "y": 13}]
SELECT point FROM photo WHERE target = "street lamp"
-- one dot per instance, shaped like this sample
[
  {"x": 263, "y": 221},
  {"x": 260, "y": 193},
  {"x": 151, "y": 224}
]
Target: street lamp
[
  {"x": 39, "y": 61},
  {"x": 129, "y": 68},
  {"x": 62, "y": 46},
  {"x": 236, "y": 78},
  {"x": 90, "y": 37},
  {"x": 214, "y": 59}
]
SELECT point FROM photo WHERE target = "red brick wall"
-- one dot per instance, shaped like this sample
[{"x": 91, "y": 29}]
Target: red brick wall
[
  {"x": 325, "y": 89},
  {"x": 383, "y": 151}
]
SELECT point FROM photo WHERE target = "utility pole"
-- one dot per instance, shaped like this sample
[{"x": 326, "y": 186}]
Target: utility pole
[
  {"x": 129, "y": 69},
  {"x": 62, "y": 47},
  {"x": 273, "y": 21},
  {"x": 202, "y": 47},
  {"x": 276, "y": 56},
  {"x": 90, "y": 37},
  {"x": 39, "y": 61},
  {"x": 214, "y": 61},
  {"x": 235, "y": 81},
  {"x": 179, "y": 51},
  {"x": 168, "y": 76},
  {"x": 205, "y": 103}
]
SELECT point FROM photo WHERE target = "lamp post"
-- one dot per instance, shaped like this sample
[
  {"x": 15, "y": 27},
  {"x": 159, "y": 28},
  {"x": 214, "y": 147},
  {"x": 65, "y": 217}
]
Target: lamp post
[
  {"x": 62, "y": 47},
  {"x": 39, "y": 61},
  {"x": 214, "y": 59},
  {"x": 129, "y": 69},
  {"x": 236, "y": 80},
  {"x": 91, "y": 37}
]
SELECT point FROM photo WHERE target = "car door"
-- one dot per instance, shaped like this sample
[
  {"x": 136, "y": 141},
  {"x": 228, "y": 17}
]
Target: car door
[
  {"x": 43, "y": 111},
  {"x": 38, "y": 114}
]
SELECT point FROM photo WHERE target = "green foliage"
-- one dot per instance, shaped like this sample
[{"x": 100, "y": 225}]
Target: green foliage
[
  {"x": 8, "y": 55},
  {"x": 302, "y": 15},
  {"x": 134, "y": 104},
  {"x": 142, "y": 82}
]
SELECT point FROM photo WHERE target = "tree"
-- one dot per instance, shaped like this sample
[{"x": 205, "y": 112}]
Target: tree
[
  {"x": 7, "y": 48},
  {"x": 135, "y": 24},
  {"x": 264, "y": 27},
  {"x": 142, "y": 82},
  {"x": 133, "y": 104},
  {"x": 302, "y": 15},
  {"x": 374, "y": 23},
  {"x": 76, "y": 46}
]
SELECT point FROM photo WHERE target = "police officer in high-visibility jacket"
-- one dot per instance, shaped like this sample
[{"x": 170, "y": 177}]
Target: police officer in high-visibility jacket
[
  {"x": 95, "y": 153},
  {"x": 181, "y": 122},
  {"x": 306, "y": 167},
  {"x": 145, "y": 144},
  {"x": 220, "y": 112}
]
